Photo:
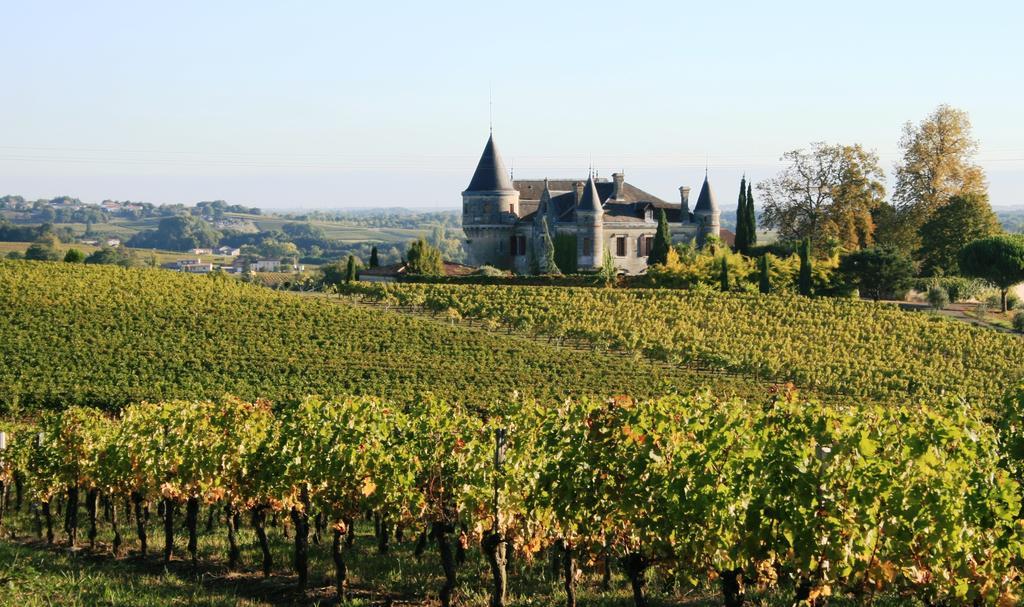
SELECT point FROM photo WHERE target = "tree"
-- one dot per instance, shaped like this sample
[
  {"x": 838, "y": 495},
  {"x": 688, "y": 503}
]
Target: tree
[
  {"x": 827, "y": 191},
  {"x": 878, "y": 272},
  {"x": 742, "y": 235},
  {"x": 548, "y": 244},
  {"x": 74, "y": 256},
  {"x": 662, "y": 241},
  {"x": 764, "y": 279},
  {"x": 177, "y": 233},
  {"x": 964, "y": 219},
  {"x": 351, "y": 271},
  {"x": 751, "y": 217},
  {"x": 805, "y": 267},
  {"x": 725, "y": 273},
  {"x": 44, "y": 249},
  {"x": 424, "y": 259},
  {"x": 936, "y": 165},
  {"x": 608, "y": 272},
  {"x": 374, "y": 261},
  {"x": 997, "y": 259},
  {"x": 112, "y": 256}
]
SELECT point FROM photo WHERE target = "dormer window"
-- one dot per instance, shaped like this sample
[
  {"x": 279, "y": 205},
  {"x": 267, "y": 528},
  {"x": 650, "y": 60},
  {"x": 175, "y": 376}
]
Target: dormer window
[{"x": 649, "y": 214}]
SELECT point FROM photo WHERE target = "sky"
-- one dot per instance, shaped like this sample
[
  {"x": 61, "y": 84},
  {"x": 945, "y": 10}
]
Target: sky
[{"x": 301, "y": 105}]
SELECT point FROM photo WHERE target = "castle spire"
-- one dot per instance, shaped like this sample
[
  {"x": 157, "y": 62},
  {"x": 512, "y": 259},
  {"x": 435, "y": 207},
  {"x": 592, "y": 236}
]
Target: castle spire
[{"x": 490, "y": 174}]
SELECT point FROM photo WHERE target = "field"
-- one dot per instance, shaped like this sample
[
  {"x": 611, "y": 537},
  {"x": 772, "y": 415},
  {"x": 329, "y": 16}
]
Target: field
[
  {"x": 843, "y": 347},
  {"x": 107, "y": 336},
  {"x": 145, "y": 255},
  {"x": 881, "y": 478}
]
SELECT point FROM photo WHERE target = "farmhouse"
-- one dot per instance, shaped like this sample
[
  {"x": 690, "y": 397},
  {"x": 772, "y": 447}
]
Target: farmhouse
[{"x": 508, "y": 222}]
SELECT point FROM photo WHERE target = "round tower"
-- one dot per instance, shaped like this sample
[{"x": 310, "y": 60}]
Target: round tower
[
  {"x": 490, "y": 207},
  {"x": 706, "y": 214},
  {"x": 589, "y": 228}
]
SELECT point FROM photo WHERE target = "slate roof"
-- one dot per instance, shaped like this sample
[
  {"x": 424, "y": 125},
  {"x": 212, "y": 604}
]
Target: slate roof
[
  {"x": 490, "y": 174},
  {"x": 706, "y": 199},
  {"x": 591, "y": 200},
  {"x": 631, "y": 207}
]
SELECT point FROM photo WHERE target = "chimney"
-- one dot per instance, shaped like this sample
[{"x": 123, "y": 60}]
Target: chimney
[
  {"x": 684, "y": 200},
  {"x": 619, "y": 178},
  {"x": 578, "y": 187}
]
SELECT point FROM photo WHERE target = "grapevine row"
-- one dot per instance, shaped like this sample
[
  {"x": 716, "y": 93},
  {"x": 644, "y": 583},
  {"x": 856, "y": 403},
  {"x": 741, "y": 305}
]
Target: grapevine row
[
  {"x": 824, "y": 499},
  {"x": 838, "y": 346}
]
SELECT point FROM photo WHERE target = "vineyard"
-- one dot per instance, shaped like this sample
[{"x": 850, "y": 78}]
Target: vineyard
[
  {"x": 817, "y": 502},
  {"x": 834, "y": 346},
  {"x": 106, "y": 336}
]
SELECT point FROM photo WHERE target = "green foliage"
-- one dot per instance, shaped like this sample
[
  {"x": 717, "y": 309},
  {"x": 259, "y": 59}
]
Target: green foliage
[
  {"x": 662, "y": 241},
  {"x": 952, "y": 226},
  {"x": 806, "y": 261},
  {"x": 351, "y": 269},
  {"x": 424, "y": 259},
  {"x": 374, "y": 261},
  {"x": 878, "y": 272},
  {"x": 44, "y": 249},
  {"x": 840, "y": 346},
  {"x": 608, "y": 273},
  {"x": 725, "y": 274},
  {"x": 118, "y": 256},
  {"x": 74, "y": 256},
  {"x": 958, "y": 288},
  {"x": 847, "y": 501},
  {"x": 129, "y": 335},
  {"x": 177, "y": 233},
  {"x": 938, "y": 298},
  {"x": 742, "y": 227},
  {"x": 997, "y": 259},
  {"x": 764, "y": 281},
  {"x": 565, "y": 253},
  {"x": 751, "y": 217}
]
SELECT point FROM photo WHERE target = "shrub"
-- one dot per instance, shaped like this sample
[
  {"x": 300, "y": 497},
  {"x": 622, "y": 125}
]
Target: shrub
[
  {"x": 937, "y": 297},
  {"x": 1018, "y": 322}
]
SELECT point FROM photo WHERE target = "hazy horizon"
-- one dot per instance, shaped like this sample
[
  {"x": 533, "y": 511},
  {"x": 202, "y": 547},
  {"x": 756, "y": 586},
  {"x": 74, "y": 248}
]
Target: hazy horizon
[{"x": 323, "y": 106}]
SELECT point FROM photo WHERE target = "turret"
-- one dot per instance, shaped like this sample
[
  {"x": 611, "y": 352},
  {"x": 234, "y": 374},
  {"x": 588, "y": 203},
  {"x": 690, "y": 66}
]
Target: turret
[
  {"x": 590, "y": 227},
  {"x": 490, "y": 206},
  {"x": 705, "y": 214}
]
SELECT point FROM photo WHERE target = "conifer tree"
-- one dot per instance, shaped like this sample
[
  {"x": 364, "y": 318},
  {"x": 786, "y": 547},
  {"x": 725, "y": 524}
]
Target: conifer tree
[
  {"x": 550, "y": 265},
  {"x": 351, "y": 272},
  {"x": 764, "y": 282},
  {"x": 725, "y": 273},
  {"x": 374, "y": 261},
  {"x": 751, "y": 217},
  {"x": 805, "y": 267},
  {"x": 742, "y": 239},
  {"x": 662, "y": 242}
]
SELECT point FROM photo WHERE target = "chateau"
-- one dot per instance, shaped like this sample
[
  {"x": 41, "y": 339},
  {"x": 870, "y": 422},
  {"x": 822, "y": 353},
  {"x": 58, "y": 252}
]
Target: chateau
[{"x": 508, "y": 223}]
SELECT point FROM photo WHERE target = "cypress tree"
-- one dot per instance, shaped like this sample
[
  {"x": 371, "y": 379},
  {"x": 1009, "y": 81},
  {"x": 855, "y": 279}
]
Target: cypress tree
[
  {"x": 805, "y": 267},
  {"x": 765, "y": 283},
  {"x": 725, "y": 273},
  {"x": 662, "y": 241},
  {"x": 751, "y": 217},
  {"x": 742, "y": 238},
  {"x": 350, "y": 269},
  {"x": 374, "y": 262},
  {"x": 549, "y": 249}
]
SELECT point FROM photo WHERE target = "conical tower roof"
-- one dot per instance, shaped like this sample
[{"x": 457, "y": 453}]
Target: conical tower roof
[
  {"x": 590, "y": 201},
  {"x": 706, "y": 199},
  {"x": 490, "y": 172}
]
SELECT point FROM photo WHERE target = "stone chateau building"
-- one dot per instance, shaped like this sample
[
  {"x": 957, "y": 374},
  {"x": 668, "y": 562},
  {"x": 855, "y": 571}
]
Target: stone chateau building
[{"x": 504, "y": 220}]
